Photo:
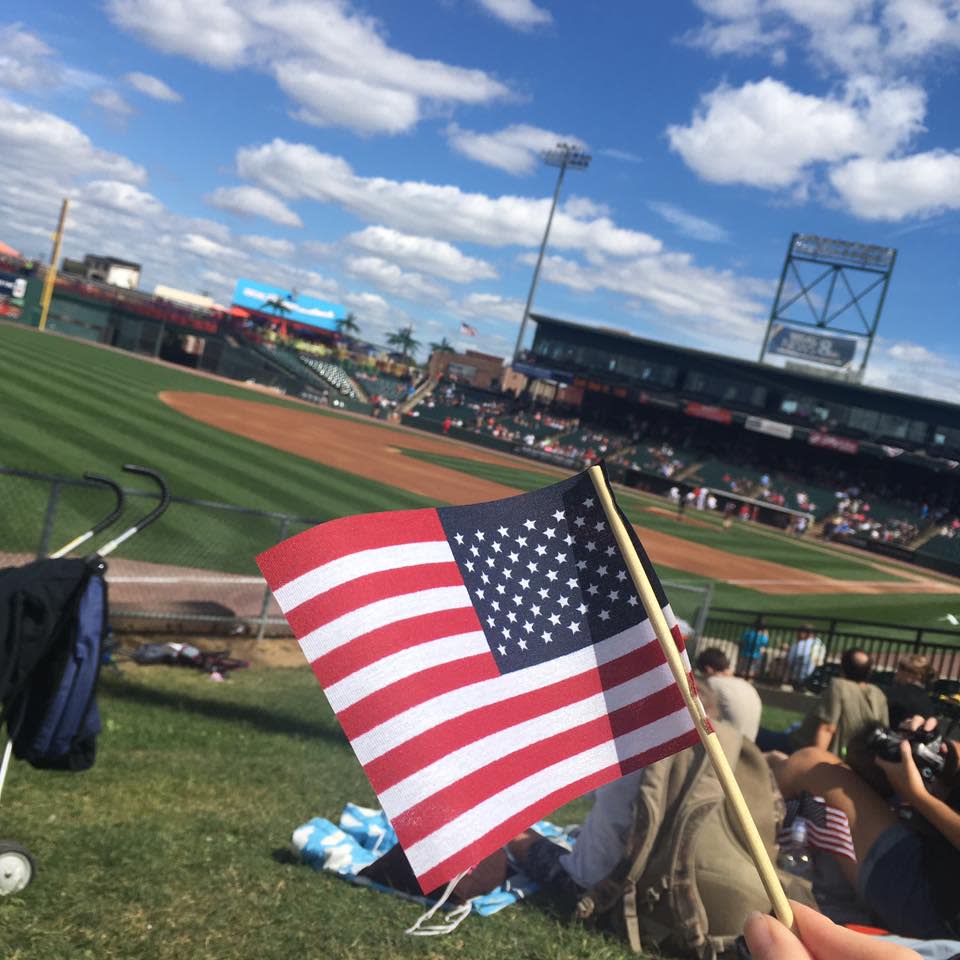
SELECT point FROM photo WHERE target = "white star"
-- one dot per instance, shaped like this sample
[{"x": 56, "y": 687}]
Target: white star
[
  {"x": 591, "y": 546},
  {"x": 513, "y": 557},
  {"x": 604, "y": 615},
  {"x": 541, "y": 550},
  {"x": 592, "y": 590},
  {"x": 496, "y": 605},
  {"x": 535, "y": 609},
  {"x": 485, "y": 577},
  {"x": 581, "y": 564},
  {"x": 568, "y": 540},
  {"x": 490, "y": 561},
  {"x": 524, "y": 584},
  {"x": 501, "y": 589},
  {"x": 547, "y": 636},
  {"x": 480, "y": 594},
  {"x": 475, "y": 550},
  {"x": 502, "y": 531},
  {"x": 561, "y": 557},
  {"x": 491, "y": 622},
  {"x": 502, "y": 649},
  {"x": 528, "y": 626},
  {"x": 614, "y": 594},
  {"x": 572, "y": 582},
  {"x": 522, "y": 644},
  {"x": 622, "y": 575},
  {"x": 544, "y": 593},
  {"x": 563, "y": 601},
  {"x": 507, "y": 573},
  {"x": 554, "y": 619},
  {"x": 518, "y": 600},
  {"x": 479, "y": 534},
  {"x": 511, "y": 616},
  {"x": 496, "y": 547},
  {"x": 579, "y": 521},
  {"x": 588, "y": 502},
  {"x": 559, "y": 515},
  {"x": 529, "y": 524},
  {"x": 582, "y": 609},
  {"x": 574, "y": 627},
  {"x": 550, "y": 533},
  {"x": 469, "y": 565},
  {"x": 633, "y": 600},
  {"x": 459, "y": 538},
  {"x": 610, "y": 551},
  {"x": 600, "y": 526},
  {"x": 602, "y": 570},
  {"x": 506, "y": 634},
  {"x": 532, "y": 567},
  {"x": 521, "y": 541},
  {"x": 551, "y": 575}
]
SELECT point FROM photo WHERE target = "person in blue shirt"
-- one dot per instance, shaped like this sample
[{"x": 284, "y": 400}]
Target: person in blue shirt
[{"x": 753, "y": 643}]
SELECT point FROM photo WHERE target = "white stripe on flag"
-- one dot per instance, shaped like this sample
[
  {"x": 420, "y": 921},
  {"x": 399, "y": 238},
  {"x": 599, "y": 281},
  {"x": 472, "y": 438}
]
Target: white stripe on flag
[
  {"x": 484, "y": 817},
  {"x": 474, "y": 756},
  {"x": 448, "y": 706},
  {"x": 344, "y": 569},
  {"x": 403, "y": 664},
  {"x": 378, "y": 614}
]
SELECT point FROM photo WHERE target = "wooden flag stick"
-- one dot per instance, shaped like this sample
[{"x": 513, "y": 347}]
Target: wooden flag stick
[{"x": 711, "y": 742}]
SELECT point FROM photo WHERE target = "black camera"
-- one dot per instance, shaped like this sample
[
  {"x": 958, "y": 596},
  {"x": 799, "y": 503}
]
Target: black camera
[{"x": 924, "y": 745}]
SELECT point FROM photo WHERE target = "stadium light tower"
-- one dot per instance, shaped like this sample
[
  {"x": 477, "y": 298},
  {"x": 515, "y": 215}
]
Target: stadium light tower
[{"x": 563, "y": 155}]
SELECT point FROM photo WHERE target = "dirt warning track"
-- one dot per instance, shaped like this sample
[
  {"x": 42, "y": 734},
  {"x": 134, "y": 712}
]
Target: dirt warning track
[{"x": 374, "y": 451}]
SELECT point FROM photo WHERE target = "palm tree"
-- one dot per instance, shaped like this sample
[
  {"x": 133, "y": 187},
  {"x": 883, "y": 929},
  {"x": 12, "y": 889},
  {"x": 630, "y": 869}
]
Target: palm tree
[
  {"x": 277, "y": 303},
  {"x": 348, "y": 324},
  {"x": 444, "y": 346},
  {"x": 405, "y": 343}
]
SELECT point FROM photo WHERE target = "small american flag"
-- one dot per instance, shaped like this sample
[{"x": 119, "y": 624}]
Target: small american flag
[
  {"x": 488, "y": 663},
  {"x": 468, "y": 330},
  {"x": 828, "y": 828}
]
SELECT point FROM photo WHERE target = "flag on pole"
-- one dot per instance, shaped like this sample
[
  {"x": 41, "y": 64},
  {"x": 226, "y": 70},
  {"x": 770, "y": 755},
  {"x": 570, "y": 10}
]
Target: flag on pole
[
  {"x": 488, "y": 663},
  {"x": 467, "y": 329}
]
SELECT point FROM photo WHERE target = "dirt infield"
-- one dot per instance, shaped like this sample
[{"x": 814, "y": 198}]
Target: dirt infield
[{"x": 370, "y": 450}]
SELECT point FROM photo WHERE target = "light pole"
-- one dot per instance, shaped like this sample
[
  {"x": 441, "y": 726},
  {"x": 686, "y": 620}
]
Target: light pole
[{"x": 563, "y": 155}]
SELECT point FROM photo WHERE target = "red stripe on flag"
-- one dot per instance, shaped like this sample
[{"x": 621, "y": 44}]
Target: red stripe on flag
[
  {"x": 338, "y": 538},
  {"x": 472, "y": 853},
  {"x": 357, "y": 593},
  {"x": 384, "y": 704},
  {"x": 393, "y": 638},
  {"x": 478, "y": 785}
]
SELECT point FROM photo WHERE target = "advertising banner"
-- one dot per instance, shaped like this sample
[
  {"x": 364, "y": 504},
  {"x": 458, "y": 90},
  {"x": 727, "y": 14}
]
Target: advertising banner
[
  {"x": 816, "y": 347},
  {"x": 770, "y": 427},
  {"x": 287, "y": 305},
  {"x": 706, "y": 412},
  {"x": 829, "y": 442},
  {"x": 12, "y": 291}
]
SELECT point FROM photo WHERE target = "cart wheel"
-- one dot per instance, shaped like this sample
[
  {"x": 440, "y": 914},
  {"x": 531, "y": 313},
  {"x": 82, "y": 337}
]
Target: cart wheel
[{"x": 16, "y": 867}]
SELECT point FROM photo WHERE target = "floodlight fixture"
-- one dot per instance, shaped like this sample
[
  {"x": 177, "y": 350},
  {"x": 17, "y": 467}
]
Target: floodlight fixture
[{"x": 563, "y": 156}]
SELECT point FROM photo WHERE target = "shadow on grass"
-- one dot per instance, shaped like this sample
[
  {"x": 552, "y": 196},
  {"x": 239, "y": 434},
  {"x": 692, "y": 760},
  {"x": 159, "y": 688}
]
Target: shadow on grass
[{"x": 266, "y": 720}]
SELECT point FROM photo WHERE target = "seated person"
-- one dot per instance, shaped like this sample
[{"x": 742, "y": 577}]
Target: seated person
[
  {"x": 905, "y": 872},
  {"x": 805, "y": 654},
  {"x": 907, "y": 696},
  {"x": 848, "y": 705},
  {"x": 737, "y": 700}
]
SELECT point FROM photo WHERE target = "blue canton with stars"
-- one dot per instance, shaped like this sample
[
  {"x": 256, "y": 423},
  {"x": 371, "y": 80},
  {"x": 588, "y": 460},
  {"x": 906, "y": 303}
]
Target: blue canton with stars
[{"x": 544, "y": 572}]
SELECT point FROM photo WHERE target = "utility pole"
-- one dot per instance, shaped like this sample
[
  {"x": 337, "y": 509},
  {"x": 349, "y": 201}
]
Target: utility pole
[
  {"x": 51, "y": 277},
  {"x": 563, "y": 155}
]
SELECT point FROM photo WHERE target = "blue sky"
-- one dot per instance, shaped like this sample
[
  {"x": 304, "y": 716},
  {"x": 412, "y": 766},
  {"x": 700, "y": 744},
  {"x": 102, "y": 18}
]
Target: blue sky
[{"x": 386, "y": 156}]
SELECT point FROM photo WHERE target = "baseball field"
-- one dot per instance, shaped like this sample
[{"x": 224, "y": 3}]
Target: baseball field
[{"x": 175, "y": 843}]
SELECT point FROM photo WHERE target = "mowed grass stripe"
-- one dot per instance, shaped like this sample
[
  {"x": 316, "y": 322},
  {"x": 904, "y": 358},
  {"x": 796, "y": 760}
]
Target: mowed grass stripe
[{"x": 741, "y": 539}]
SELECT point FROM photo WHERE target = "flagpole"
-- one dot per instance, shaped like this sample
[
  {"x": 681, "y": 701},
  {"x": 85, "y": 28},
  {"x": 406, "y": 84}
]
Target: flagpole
[{"x": 711, "y": 743}]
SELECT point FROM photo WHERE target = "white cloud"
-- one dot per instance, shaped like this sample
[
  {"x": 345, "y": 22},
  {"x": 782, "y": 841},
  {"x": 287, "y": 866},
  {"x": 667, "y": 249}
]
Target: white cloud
[
  {"x": 333, "y": 62},
  {"x": 767, "y": 135},
  {"x": 153, "y": 87},
  {"x": 690, "y": 225},
  {"x": 253, "y": 202},
  {"x": 273, "y": 248},
  {"x": 299, "y": 170},
  {"x": 120, "y": 197},
  {"x": 204, "y": 246},
  {"x": 922, "y": 184},
  {"x": 424, "y": 254},
  {"x": 521, "y": 14},
  {"x": 516, "y": 148},
  {"x": 111, "y": 101},
  {"x": 391, "y": 279},
  {"x": 914, "y": 369},
  {"x": 488, "y": 306},
  {"x": 25, "y": 60},
  {"x": 43, "y": 143}
]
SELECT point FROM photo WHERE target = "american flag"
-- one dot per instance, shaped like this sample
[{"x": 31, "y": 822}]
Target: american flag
[
  {"x": 468, "y": 330},
  {"x": 828, "y": 828},
  {"x": 488, "y": 663}
]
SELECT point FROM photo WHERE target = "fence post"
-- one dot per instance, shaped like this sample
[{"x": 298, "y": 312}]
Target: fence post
[
  {"x": 917, "y": 640},
  {"x": 52, "y": 503},
  {"x": 284, "y": 526}
]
